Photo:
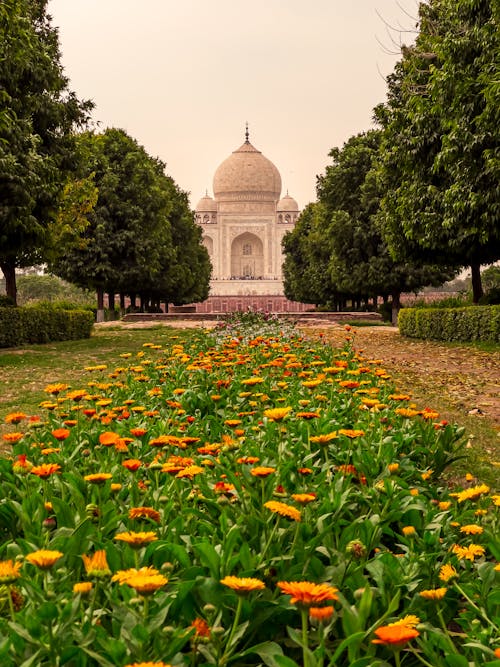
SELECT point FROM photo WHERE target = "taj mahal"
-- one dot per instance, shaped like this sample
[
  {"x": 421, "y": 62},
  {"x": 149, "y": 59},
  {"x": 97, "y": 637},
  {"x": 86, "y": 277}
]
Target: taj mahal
[{"x": 243, "y": 225}]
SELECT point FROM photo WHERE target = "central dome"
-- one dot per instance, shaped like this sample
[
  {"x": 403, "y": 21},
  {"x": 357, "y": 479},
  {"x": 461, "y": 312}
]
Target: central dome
[{"x": 246, "y": 175}]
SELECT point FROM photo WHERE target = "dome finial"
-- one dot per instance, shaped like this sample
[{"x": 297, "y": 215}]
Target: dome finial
[{"x": 246, "y": 133}]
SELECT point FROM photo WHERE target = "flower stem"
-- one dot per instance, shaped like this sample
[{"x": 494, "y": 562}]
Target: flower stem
[
  {"x": 474, "y": 605},
  {"x": 228, "y": 650},
  {"x": 305, "y": 637}
]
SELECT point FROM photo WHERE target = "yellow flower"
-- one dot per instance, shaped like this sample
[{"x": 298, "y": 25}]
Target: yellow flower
[
  {"x": 144, "y": 513},
  {"x": 98, "y": 478},
  {"x": 447, "y": 572},
  {"x": 96, "y": 565},
  {"x": 136, "y": 540},
  {"x": 283, "y": 510},
  {"x": 324, "y": 438},
  {"x": 122, "y": 575},
  {"x": 393, "y": 467},
  {"x": 14, "y": 417},
  {"x": 146, "y": 584},
  {"x": 351, "y": 433},
  {"x": 55, "y": 389},
  {"x": 262, "y": 471},
  {"x": 148, "y": 664},
  {"x": 276, "y": 414},
  {"x": 252, "y": 381},
  {"x": 444, "y": 505},
  {"x": 472, "y": 529},
  {"x": 190, "y": 471},
  {"x": 44, "y": 558},
  {"x": 408, "y": 531},
  {"x": 468, "y": 553},
  {"x": 9, "y": 571},
  {"x": 434, "y": 593},
  {"x": 304, "y": 498},
  {"x": 243, "y": 585},
  {"x": 409, "y": 621},
  {"x": 471, "y": 494}
]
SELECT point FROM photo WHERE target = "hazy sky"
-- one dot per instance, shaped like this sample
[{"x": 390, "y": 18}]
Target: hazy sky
[{"x": 183, "y": 77}]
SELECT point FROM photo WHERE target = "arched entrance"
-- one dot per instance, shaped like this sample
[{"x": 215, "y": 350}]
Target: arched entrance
[{"x": 247, "y": 257}]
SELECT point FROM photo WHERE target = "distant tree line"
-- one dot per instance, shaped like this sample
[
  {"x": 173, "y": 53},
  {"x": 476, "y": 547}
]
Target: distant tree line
[
  {"x": 94, "y": 207},
  {"x": 411, "y": 203}
]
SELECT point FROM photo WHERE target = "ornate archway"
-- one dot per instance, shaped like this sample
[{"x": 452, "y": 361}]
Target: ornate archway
[{"x": 247, "y": 257}]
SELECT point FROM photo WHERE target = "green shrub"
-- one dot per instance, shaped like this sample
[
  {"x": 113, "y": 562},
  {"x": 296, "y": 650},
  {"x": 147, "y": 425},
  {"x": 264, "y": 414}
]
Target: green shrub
[
  {"x": 21, "y": 326},
  {"x": 474, "y": 323}
]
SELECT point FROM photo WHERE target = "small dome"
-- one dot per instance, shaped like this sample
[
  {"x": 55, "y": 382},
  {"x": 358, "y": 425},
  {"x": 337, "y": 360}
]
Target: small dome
[
  {"x": 206, "y": 205},
  {"x": 287, "y": 203},
  {"x": 247, "y": 175}
]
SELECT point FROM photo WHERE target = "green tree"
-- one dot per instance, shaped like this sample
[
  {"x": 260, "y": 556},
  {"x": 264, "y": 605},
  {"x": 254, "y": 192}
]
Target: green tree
[
  {"x": 441, "y": 160},
  {"x": 38, "y": 114},
  {"x": 142, "y": 238}
]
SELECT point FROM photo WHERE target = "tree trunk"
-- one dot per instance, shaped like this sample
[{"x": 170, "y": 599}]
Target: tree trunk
[
  {"x": 477, "y": 286},
  {"x": 396, "y": 307},
  {"x": 100, "y": 305},
  {"x": 122, "y": 301},
  {"x": 111, "y": 301},
  {"x": 9, "y": 271},
  {"x": 133, "y": 305}
]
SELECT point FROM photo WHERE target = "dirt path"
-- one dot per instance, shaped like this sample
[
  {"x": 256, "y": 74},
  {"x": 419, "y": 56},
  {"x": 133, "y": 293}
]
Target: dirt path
[{"x": 469, "y": 378}]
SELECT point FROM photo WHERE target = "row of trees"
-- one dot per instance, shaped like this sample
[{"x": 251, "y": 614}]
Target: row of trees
[
  {"x": 95, "y": 207},
  {"x": 412, "y": 202}
]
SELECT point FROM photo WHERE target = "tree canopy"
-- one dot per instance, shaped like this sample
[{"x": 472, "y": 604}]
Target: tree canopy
[
  {"x": 38, "y": 114},
  {"x": 440, "y": 149},
  {"x": 141, "y": 238}
]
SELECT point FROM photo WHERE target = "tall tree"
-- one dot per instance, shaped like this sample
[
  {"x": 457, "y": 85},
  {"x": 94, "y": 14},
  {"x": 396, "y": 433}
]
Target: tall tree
[
  {"x": 38, "y": 114},
  {"x": 142, "y": 238},
  {"x": 441, "y": 161}
]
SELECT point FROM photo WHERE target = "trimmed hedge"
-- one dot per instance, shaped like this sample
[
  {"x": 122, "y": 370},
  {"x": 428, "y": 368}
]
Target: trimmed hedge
[
  {"x": 21, "y": 326},
  {"x": 472, "y": 323}
]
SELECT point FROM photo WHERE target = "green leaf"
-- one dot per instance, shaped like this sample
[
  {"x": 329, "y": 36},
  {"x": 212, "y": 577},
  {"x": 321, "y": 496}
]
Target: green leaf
[
  {"x": 283, "y": 661},
  {"x": 456, "y": 661},
  {"x": 349, "y": 641},
  {"x": 267, "y": 651},
  {"x": 208, "y": 557}
]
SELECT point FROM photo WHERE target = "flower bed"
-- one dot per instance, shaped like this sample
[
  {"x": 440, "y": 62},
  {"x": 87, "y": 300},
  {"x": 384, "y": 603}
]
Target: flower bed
[{"x": 245, "y": 498}]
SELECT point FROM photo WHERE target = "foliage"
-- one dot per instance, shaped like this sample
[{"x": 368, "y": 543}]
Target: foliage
[
  {"x": 440, "y": 157},
  {"x": 267, "y": 459},
  {"x": 452, "y": 324},
  {"x": 42, "y": 324},
  {"x": 35, "y": 288},
  {"x": 141, "y": 238},
  {"x": 38, "y": 114}
]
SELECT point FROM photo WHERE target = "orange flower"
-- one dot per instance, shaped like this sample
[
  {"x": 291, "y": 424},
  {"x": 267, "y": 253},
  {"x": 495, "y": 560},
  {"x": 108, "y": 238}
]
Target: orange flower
[
  {"x": 44, "y": 558},
  {"x": 96, "y": 565},
  {"x": 321, "y": 614},
  {"x": 232, "y": 422},
  {"x": 148, "y": 664},
  {"x": 61, "y": 433},
  {"x": 14, "y": 417},
  {"x": 201, "y": 628},
  {"x": 82, "y": 588},
  {"x": 132, "y": 464},
  {"x": 283, "y": 509},
  {"x": 394, "y": 635},
  {"x": 55, "y": 389},
  {"x": 9, "y": 571},
  {"x": 144, "y": 513},
  {"x": 138, "y": 432},
  {"x": 307, "y": 415},
  {"x": 472, "y": 529},
  {"x": 408, "y": 531},
  {"x": 45, "y": 470},
  {"x": 190, "y": 471},
  {"x": 351, "y": 433},
  {"x": 136, "y": 540},
  {"x": 108, "y": 438},
  {"x": 262, "y": 471},
  {"x": 98, "y": 477},
  {"x": 77, "y": 395},
  {"x": 22, "y": 464},
  {"x": 243, "y": 585},
  {"x": 308, "y": 594},
  {"x": 304, "y": 498},
  {"x": 248, "y": 459},
  {"x": 324, "y": 438},
  {"x": 12, "y": 437}
]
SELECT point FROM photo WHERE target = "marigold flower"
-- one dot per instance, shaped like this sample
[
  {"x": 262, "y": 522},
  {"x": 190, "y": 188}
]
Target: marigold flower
[
  {"x": 447, "y": 572},
  {"x": 468, "y": 553},
  {"x": 394, "y": 635},
  {"x": 9, "y": 571},
  {"x": 409, "y": 621},
  {"x": 108, "y": 438},
  {"x": 262, "y": 471},
  {"x": 307, "y": 415},
  {"x": 136, "y": 540},
  {"x": 393, "y": 467},
  {"x": 98, "y": 477},
  {"x": 322, "y": 614},
  {"x": 15, "y": 417},
  {"x": 201, "y": 628},
  {"x": 308, "y": 594},
  {"x": 61, "y": 433},
  {"x": 408, "y": 531},
  {"x": 82, "y": 588},
  {"x": 250, "y": 460},
  {"x": 13, "y": 437},
  {"x": 406, "y": 412},
  {"x": 21, "y": 464},
  {"x": 496, "y": 500},
  {"x": 434, "y": 593},
  {"x": 304, "y": 471},
  {"x": 148, "y": 664},
  {"x": 243, "y": 585},
  {"x": 146, "y": 584},
  {"x": 472, "y": 529},
  {"x": 55, "y": 389},
  {"x": 471, "y": 494},
  {"x": 45, "y": 470},
  {"x": 351, "y": 433},
  {"x": 276, "y": 414},
  {"x": 138, "y": 432},
  {"x": 144, "y": 513},
  {"x": 190, "y": 471},
  {"x": 283, "y": 509},
  {"x": 324, "y": 438},
  {"x": 444, "y": 505},
  {"x": 44, "y": 558},
  {"x": 122, "y": 575},
  {"x": 77, "y": 395},
  {"x": 304, "y": 498},
  {"x": 252, "y": 381},
  {"x": 96, "y": 565},
  {"x": 132, "y": 464}
]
